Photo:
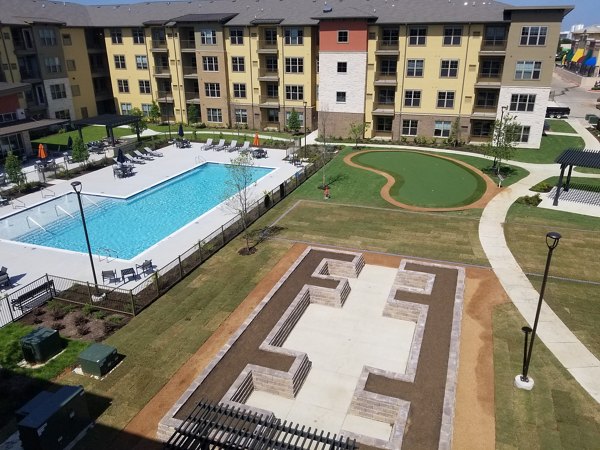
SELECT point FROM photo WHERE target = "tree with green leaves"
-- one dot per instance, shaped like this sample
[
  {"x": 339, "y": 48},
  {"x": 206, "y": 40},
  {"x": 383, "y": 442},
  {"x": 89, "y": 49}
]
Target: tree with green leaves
[
  {"x": 154, "y": 114},
  {"x": 142, "y": 124},
  {"x": 193, "y": 114},
  {"x": 13, "y": 169},
  {"x": 505, "y": 133},
  {"x": 454, "y": 138},
  {"x": 79, "y": 153},
  {"x": 237, "y": 191},
  {"x": 357, "y": 131},
  {"x": 293, "y": 122}
]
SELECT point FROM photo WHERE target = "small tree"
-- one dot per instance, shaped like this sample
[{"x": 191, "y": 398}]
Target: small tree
[
  {"x": 154, "y": 113},
  {"x": 294, "y": 123},
  {"x": 324, "y": 120},
  {"x": 14, "y": 172},
  {"x": 237, "y": 191},
  {"x": 142, "y": 124},
  {"x": 504, "y": 135},
  {"x": 79, "y": 152},
  {"x": 357, "y": 131},
  {"x": 193, "y": 114},
  {"x": 454, "y": 138}
]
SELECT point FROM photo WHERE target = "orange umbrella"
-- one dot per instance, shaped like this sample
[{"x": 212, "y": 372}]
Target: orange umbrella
[
  {"x": 256, "y": 141},
  {"x": 42, "y": 154}
]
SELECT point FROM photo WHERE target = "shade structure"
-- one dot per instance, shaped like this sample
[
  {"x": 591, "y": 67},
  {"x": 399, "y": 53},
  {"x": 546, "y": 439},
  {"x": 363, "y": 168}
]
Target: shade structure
[
  {"x": 256, "y": 141},
  {"x": 70, "y": 142},
  {"x": 42, "y": 153},
  {"x": 120, "y": 156},
  {"x": 570, "y": 54},
  {"x": 590, "y": 61},
  {"x": 180, "y": 132},
  {"x": 578, "y": 55}
]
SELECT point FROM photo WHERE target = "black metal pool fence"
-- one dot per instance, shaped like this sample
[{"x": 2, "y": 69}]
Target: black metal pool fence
[{"x": 133, "y": 301}]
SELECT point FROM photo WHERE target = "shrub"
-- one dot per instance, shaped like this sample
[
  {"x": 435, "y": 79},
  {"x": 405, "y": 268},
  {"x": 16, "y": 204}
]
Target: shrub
[
  {"x": 420, "y": 140},
  {"x": 99, "y": 315},
  {"x": 79, "y": 320},
  {"x": 87, "y": 310},
  {"x": 83, "y": 329},
  {"x": 38, "y": 311},
  {"x": 58, "y": 326},
  {"x": 542, "y": 187},
  {"x": 529, "y": 200}
]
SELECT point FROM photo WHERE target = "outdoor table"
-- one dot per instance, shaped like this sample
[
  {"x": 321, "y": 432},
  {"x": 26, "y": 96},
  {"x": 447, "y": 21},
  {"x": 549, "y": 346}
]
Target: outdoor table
[{"x": 129, "y": 272}]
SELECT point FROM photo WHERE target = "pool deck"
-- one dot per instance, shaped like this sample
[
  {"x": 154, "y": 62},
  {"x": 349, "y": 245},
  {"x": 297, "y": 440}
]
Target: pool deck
[{"x": 27, "y": 262}]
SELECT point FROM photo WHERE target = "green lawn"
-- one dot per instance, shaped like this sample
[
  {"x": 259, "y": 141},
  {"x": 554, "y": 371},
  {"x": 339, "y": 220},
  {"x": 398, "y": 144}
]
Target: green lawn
[
  {"x": 551, "y": 147},
  {"x": 556, "y": 414},
  {"x": 560, "y": 126},
  {"x": 426, "y": 180},
  {"x": 214, "y": 132},
  {"x": 577, "y": 181},
  {"x": 586, "y": 170},
  {"x": 90, "y": 133}
]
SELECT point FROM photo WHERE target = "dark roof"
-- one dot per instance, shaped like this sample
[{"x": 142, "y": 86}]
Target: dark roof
[
  {"x": 581, "y": 158},
  {"x": 222, "y": 18},
  {"x": 13, "y": 88},
  {"x": 29, "y": 125},
  {"x": 108, "y": 120},
  {"x": 265, "y": 21}
]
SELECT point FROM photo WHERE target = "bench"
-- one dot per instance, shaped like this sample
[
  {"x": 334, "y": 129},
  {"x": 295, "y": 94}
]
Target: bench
[{"x": 35, "y": 296}]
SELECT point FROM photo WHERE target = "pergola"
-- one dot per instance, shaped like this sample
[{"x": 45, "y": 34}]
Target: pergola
[
  {"x": 110, "y": 121},
  {"x": 220, "y": 426},
  {"x": 574, "y": 157}
]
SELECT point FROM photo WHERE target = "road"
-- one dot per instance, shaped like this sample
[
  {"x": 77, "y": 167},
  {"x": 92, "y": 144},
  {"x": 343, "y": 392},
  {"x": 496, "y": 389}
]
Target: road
[{"x": 581, "y": 101}]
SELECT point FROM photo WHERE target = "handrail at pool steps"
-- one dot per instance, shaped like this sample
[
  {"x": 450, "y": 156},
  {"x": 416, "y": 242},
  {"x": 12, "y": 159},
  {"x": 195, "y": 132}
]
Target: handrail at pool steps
[
  {"x": 132, "y": 301},
  {"x": 47, "y": 192}
]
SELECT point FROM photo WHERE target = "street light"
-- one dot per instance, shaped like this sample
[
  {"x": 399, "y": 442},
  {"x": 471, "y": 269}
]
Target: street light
[
  {"x": 304, "y": 129},
  {"x": 522, "y": 381},
  {"x": 77, "y": 188}
]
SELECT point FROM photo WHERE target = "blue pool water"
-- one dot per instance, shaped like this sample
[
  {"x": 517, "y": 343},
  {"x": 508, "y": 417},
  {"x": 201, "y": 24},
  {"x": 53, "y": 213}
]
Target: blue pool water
[{"x": 125, "y": 228}]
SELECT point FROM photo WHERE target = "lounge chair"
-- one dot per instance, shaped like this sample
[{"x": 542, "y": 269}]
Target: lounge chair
[
  {"x": 4, "y": 201},
  {"x": 152, "y": 152},
  {"x": 4, "y": 278},
  {"x": 110, "y": 275},
  {"x": 245, "y": 148},
  {"x": 220, "y": 146},
  {"x": 146, "y": 267},
  {"x": 209, "y": 144},
  {"x": 141, "y": 155},
  {"x": 232, "y": 146},
  {"x": 133, "y": 160}
]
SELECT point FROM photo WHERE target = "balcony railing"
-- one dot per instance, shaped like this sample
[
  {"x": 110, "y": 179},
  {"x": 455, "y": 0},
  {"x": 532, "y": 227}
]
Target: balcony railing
[
  {"x": 267, "y": 46},
  {"x": 190, "y": 70},
  {"x": 269, "y": 100},
  {"x": 491, "y": 44},
  {"x": 264, "y": 73},
  {"x": 158, "y": 44},
  {"x": 385, "y": 77},
  {"x": 162, "y": 70},
  {"x": 192, "y": 97},
  {"x": 164, "y": 96},
  {"x": 30, "y": 74},
  {"x": 187, "y": 44}
]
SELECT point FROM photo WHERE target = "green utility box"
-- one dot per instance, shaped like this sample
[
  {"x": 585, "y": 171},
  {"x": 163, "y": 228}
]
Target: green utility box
[
  {"x": 98, "y": 359},
  {"x": 593, "y": 120},
  {"x": 40, "y": 345}
]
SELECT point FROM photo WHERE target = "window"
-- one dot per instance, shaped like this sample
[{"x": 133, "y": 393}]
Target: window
[
  {"x": 522, "y": 102},
  {"x": 340, "y": 97},
  {"x": 294, "y": 65},
  {"x": 120, "y": 62},
  {"x": 239, "y": 90},
  {"x": 139, "y": 36},
  {"x": 53, "y": 64},
  {"x": 214, "y": 115},
  {"x": 389, "y": 36},
  {"x": 528, "y": 70},
  {"x": 384, "y": 124},
  {"x": 58, "y": 91},
  {"x": 47, "y": 37},
  {"x": 343, "y": 37},
  {"x": 237, "y": 63},
  {"x": 442, "y": 128},
  {"x": 272, "y": 90},
  {"x": 146, "y": 107},
  {"x": 63, "y": 114},
  {"x": 417, "y": 35},
  {"x": 495, "y": 36},
  {"x": 386, "y": 96},
  {"x": 452, "y": 35},
  {"x": 482, "y": 128},
  {"x": 236, "y": 36},
  {"x": 271, "y": 63},
  {"x": 449, "y": 68},
  {"x": 75, "y": 90},
  {"x": 208, "y": 37},
  {"x": 294, "y": 36},
  {"x": 71, "y": 65},
  {"x": 123, "y": 86},
  {"x": 491, "y": 68},
  {"x": 445, "y": 99},
  {"x": 294, "y": 92},
  {"x": 388, "y": 66},
  {"x": 210, "y": 63},
  {"x": 125, "y": 109},
  {"x": 412, "y": 98},
  {"x": 66, "y": 39},
  {"x": 409, "y": 127},
  {"x": 414, "y": 68},
  {"x": 141, "y": 62},
  {"x": 144, "y": 86},
  {"x": 300, "y": 117},
  {"x": 272, "y": 115},
  {"x": 241, "y": 116},
  {"x": 270, "y": 36},
  {"x": 486, "y": 99},
  {"x": 212, "y": 89},
  {"x": 116, "y": 36},
  {"x": 158, "y": 36},
  {"x": 342, "y": 67},
  {"x": 523, "y": 134},
  {"x": 533, "y": 35}
]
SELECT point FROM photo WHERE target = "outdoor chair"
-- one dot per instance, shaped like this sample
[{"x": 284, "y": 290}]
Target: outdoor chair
[
  {"x": 146, "y": 267},
  {"x": 141, "y": 155},
  {"x": 232, "y": 146},
  {"x": 245, "y": 148},
  {"x": 4, "y": 280},
  {"x": 4, "y": 201},
  {"x": 110, "y": 275},
  {"x": 152, "y": 152},
  {"x": 209, "y": 144},
  {"x": 133, "y": 160},
  {"x": 220, "y": 146}
]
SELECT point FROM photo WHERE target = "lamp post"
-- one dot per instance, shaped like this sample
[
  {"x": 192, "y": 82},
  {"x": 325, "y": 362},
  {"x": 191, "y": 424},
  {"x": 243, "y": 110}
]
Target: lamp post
[
  {"x": 304, "y": 118},
  {"x": 522, "y": 381},
  {"x": 77, "y": 188}
]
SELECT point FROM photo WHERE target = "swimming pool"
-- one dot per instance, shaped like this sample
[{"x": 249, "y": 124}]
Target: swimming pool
[{"x": 123, "y": 228}]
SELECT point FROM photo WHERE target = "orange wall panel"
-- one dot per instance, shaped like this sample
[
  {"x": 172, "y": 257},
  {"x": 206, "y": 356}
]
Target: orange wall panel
[
  {"x": 9, "y": 103},
  {"x": 357, "y": 34}
]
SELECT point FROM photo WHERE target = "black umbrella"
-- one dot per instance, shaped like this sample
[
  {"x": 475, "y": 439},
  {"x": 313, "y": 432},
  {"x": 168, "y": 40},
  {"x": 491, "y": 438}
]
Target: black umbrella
[
  {"x": 120, "y": 157},
  {"x": 180, "y": 132},
  {"x": 70, "y": 142}
]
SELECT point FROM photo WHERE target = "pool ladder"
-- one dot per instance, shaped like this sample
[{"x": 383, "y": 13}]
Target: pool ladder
[
  {"x": 200, "y": 160},
  {"x": 109, "y": 254}
]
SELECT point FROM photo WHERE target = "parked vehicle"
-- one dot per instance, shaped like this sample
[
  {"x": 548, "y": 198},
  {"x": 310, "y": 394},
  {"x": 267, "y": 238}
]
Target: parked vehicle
[{"x": 558, "y": 111}]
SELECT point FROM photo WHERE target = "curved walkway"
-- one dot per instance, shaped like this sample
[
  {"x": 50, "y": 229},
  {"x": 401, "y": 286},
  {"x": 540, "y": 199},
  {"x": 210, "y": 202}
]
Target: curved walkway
[{"x": 490, "y": 191}]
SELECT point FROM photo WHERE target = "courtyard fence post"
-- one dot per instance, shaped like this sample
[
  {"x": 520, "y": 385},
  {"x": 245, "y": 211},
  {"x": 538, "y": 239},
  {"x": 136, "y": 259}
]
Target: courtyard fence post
[
  {"x": 156, "y": 284},
  {"x": 200, "y": 252},
  {"x": 89, "y": 292},
  {"x": 223, "y": 235},
  {"x": 12, "y": 317},
  {"x": 180, "y": 268},
  {"x": 132, "y": 301}
]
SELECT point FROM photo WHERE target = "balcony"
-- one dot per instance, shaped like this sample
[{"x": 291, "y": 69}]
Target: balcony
[
  {"x": 164, "y": 96},
  {"x": 488, "y": 81},
  {"x": 103, "y": 94},
  {"x": 99, "y": 71},
  {"x": 484, "y": 112},
  {"x": 267, "y": 47},
  {"x": 162, "y": 72},
  {"x": 190, "y": 72},
  {"x": 387, "y": 47},
  {"x": 22, "y": 49},
  {"x": 386, "y": 79},
  {"x": 268, "y": 102},
  {"x": 187, "y": 45},
  {"x": 268, "y": 75},
  {"x": 158, "y": 45},
  {"x": 192, "y": 97},
  {"x": 493, "y": 47},
  {"x": 383, "y": 109}
]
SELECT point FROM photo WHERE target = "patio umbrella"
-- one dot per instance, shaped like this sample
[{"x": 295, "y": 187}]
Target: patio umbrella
[
  {"x": 42, "y": 153},
  {"x": 120, "y": 157},
  {"x": 70, "y": 142},
  {"x": 256, "y": 141},
  {"x": 180, "y": 132}
]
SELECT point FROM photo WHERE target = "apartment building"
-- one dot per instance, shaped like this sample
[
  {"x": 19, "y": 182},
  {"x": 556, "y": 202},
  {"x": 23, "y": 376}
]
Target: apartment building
[{"x": 405, "y": 67}]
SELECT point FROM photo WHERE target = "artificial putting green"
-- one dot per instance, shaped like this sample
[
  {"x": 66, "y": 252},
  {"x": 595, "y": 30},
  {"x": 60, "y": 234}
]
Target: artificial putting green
[{"x": 426, "y": 180}]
